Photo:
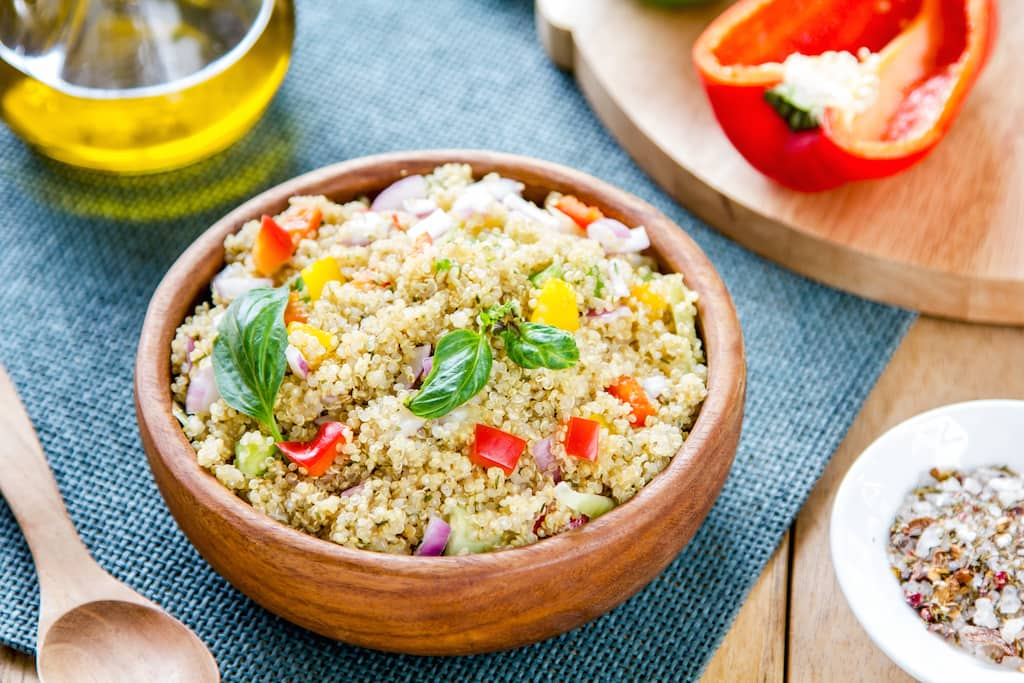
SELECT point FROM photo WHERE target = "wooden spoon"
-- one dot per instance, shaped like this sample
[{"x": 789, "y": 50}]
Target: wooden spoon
[{"x": 92, "y": 627}]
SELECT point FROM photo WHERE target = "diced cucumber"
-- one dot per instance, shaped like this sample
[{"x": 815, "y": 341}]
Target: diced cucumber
[
  {"x": 252, "y": 452},
  {"x": 541, "y": 276},
  {"x": 671, "y": 287},
  {"x": 589, "y": 504},
  {"x": 461, "y": 537}
]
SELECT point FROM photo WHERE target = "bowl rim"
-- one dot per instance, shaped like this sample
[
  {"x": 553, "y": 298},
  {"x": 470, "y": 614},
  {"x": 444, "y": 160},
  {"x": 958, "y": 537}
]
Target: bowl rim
[
  {"x": 720, "y": 333},
  {"x": 935, "y": 658}
]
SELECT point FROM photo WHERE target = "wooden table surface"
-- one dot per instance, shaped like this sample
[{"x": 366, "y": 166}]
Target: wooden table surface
[{"x": 795, "y": 625}]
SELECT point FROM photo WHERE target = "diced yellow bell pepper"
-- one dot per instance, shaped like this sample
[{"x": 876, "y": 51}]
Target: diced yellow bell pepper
[
  {"x": 599, "y": 419},
  {"x": 317, "y": 274},
  {"x": 325, "y": 339},
  {"x": 655, "y": 303},
  {"x": 556, "y": 306}
]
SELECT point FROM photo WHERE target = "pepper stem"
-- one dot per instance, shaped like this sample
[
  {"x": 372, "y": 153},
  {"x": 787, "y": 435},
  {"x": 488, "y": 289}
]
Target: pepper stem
[
  {"x": 797, "y": 117},
  {"x": 274, "y": 431}
]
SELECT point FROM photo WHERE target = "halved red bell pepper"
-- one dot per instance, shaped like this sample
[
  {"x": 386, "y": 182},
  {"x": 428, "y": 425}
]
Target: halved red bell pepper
[
  {"x": 495, "y": 448},
  {"x": 273, "y": 247},
  {"x": 581, "y": 438},
  {"x": 316, "y": 455},
  {"x": 927, "y": 55}
]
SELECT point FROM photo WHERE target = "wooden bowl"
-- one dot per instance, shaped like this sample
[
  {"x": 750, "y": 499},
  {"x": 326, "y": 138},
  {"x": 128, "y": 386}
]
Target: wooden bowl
[{"x": 444, "y": 605}]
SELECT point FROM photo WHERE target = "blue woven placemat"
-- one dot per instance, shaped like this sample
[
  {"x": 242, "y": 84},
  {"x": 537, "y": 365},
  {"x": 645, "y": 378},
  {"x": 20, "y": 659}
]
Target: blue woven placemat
[{"x": 80, "y": 255}]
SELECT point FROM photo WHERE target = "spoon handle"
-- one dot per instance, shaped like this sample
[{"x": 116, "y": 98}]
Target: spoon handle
[{"x": 67, "y": 573}]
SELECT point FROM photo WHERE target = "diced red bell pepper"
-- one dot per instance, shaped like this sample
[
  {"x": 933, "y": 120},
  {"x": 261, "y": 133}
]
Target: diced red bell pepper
[
  {"x": 495, "y": 448},
  {"x": 581, "y": 213},
  {"x": 301, "y": 222},
  {"x": 316, "y": 455},
  {"x": 581, "y": 438},
  {"x": 930, "y": 52},
  {"x": 295, "y": 311},
  {"x": 273, "y": 247},
  {"x": 628, "y": 390}
]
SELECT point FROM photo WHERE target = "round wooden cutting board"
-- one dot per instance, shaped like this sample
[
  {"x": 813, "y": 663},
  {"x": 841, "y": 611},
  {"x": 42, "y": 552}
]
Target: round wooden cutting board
[{"x": 945, "y": 237}]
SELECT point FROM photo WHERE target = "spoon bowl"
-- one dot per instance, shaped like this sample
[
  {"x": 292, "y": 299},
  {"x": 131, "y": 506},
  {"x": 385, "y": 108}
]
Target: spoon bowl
[
  {"x": 92, "y": 627},
  {"x": 107, "y": 640}
]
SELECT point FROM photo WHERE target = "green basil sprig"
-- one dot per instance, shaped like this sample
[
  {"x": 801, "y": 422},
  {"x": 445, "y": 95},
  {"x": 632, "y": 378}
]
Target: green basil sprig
[
  {"x": 533, "y": 345},
  {"x": 462, "y": 366},
  {"x": 462, "y": 361},
  {"x": 249, "y": 354}
]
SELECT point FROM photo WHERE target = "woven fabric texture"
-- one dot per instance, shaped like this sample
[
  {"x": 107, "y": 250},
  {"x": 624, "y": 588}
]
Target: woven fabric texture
[{"x": 80, "y": 255}]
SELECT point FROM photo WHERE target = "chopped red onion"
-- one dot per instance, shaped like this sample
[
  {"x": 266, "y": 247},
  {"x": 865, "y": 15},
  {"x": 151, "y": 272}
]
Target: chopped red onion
[
  {"x": 435, "y": 225},
  {"x": 655, "y": 385},
  {"x": 458, "y": 416},
  {"x": 577, "y": 522},
  {"x": 202, "y": 390},
  {"x": 419, "y": 357},
  {"x": 607, "y": 316},
  {"x": 607, "y": 230},
  {"x": 296, "y": 361},
  {"x": 428, "y": 365},
  {"x": 471, "y": 201},
  {"x": 421, "y": 208},
  {"x": 392, "y": 197},
  {"x": 190, "y": 346},
  {"x": 435, "y": 537},
  {"x": 545, "y": 459},
  {"x": 409, "y": 424},
  {"x": 616, "y": 238},
  {"x": 362, "y": 229},
  {"x": 232, "y": 282},
  {"x": 637, "y": 242},
  {"x": 533, "y": 212},
  {"x": 618, "y": 288},
  {"x": 499, "y": 188},
  {"x": 353, "y": 490}
]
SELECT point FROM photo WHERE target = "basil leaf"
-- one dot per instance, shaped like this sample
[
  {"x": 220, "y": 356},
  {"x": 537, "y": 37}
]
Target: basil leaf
[
  {"x": 498, "y": 314},
  {"x": 299, "y": 285},
  {"x": 248, "y": 354},
  {"x": 534, "y": 345},
  {"x": 462, "y": 366}
]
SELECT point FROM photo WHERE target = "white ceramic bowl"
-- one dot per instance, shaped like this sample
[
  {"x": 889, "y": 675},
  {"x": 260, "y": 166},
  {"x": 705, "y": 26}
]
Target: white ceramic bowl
[{"x": 960, "y": 436}]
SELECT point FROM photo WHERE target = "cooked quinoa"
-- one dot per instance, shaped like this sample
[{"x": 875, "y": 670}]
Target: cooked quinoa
[
  {"x": 407, "y": 276},
  {"x": 957, "y": 549}
]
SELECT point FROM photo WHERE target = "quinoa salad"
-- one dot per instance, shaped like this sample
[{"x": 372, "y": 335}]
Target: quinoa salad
[
  {"x": 448, "y": 369},
  {"x": 957, "y": 549}
]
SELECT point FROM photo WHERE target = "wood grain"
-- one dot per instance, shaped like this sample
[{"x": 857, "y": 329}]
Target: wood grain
[
  {"x": 447, "y": 605},
  {"x": 938, "y": 363},
  {"x": 943, "y": 238},
  {"x": 754, "y": 650},
  {"x": 16, "y": 667}
]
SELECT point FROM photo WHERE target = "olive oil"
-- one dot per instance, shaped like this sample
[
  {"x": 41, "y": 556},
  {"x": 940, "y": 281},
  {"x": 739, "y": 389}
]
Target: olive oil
[{"x": 146, "y": 86}]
